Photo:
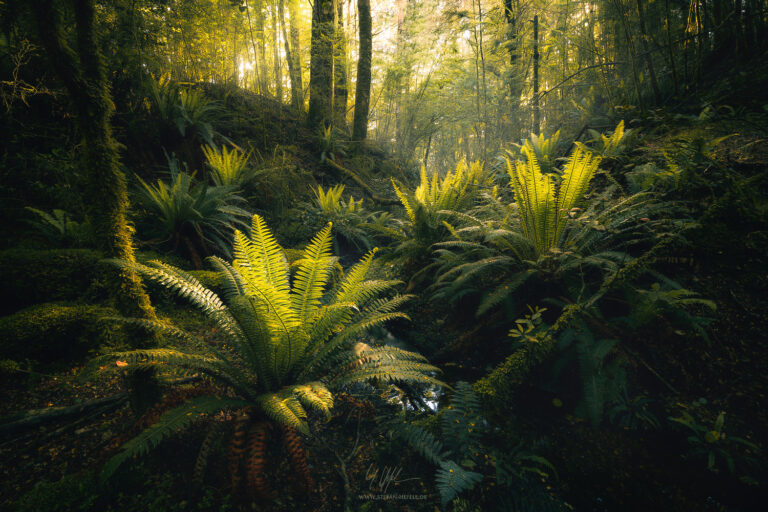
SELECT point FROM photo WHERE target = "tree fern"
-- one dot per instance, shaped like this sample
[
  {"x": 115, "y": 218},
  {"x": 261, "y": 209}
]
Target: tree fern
[{"x": 284, "y": 345}]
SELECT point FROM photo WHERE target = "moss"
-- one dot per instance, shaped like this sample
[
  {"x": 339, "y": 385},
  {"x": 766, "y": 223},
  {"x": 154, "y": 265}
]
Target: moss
[
  {"x": 208, "y": 278},
  {"x": 35, "y": 276},
  {"x": 49, "y": 332}
]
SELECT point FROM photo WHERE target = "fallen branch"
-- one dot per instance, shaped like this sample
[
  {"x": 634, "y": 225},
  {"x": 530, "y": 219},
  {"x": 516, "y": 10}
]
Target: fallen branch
[{"x": 357, "y": 179}]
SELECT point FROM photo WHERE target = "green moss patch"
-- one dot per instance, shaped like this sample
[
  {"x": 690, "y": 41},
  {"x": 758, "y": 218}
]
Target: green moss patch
[{"x": 51, "y": 332}]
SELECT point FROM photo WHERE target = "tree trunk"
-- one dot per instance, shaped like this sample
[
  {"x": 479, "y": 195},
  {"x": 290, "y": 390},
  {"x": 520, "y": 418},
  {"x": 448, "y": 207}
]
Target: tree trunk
[
  {"x": 340, "y": 91},
  {"x": 536, "y": 109},
  {"x": 511, "y": 12},
  {"x": 294, "y": 72},
  {"x": 276, "y": 58},
  {"x": 647, "y": 53},
  {"x": 321, "y": 64},
  {"x": 363, "y": 85},
  {"x": 84, "y": 76},
  {"x": 293, "y": 12}
]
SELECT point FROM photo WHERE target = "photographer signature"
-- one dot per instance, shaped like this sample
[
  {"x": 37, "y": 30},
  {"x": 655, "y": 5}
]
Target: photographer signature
[{"x": 381, "y": 479}]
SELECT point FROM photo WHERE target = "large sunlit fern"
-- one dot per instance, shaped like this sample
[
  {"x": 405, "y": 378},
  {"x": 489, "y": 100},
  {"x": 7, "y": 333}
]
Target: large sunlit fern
[{"x": 286, "y": 341}]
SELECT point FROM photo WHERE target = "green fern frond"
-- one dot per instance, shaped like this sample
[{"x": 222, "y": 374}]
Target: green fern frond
[
  {"x": 285, "y": 410},
  {"x": 316, "y": 396},
  {"x": 312, "y": 275},
  {"x": 424, "y": 442},
  {"x": 264, "y": 255},
  {"x": 453, "y": 479},
  {"x": 503, "y": 291},
  {"x": 404, "y": 200},
  {"x": 168, "y": 424}
]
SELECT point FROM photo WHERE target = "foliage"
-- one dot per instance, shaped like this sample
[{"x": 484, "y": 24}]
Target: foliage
[
  {"x": 229, "y": 167},
  {"x": 608, "y": 146},
  {"x": 542, "y": 147},
  {"x": 462, "y": 450},
  {"x": 712, "y": 441},
  {"x": 59, "y": 228},
  {"x": 182, "y": 211},
  {"x": 36, "y": 276},
  {"x": 546, "y": 236},
  {"x": 454, "y": 456},
  {"x": 544, "y": 212},
  {"x": 186, "y": 109},
  {"x": 331, "y": 143},
  {"x": 602, "y": 374},
  {"x": 349, "y": 217},
  {"x": 286, "y": 343},
  {"x": 431, "y": 205}
]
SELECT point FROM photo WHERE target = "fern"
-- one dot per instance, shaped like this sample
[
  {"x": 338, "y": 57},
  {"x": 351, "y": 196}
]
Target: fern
[
  {"x": 461, "y": 433},
  {"x": 453, "y": 479},
  {"x": 284, "y": 345},
  {"x": 168, "y": 424}
]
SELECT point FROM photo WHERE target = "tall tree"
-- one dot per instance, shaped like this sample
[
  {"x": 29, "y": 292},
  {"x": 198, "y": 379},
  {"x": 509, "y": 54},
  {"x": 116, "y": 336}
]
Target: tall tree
[
  {"x": 291, "y": 57},
  {"x": 83, "y": 74},
  {"x": 363, "y": 85},
  {"x": 321, "y": 63},
  {"x": 340, "y": 91},
  {"x": 293, "y": 12}
]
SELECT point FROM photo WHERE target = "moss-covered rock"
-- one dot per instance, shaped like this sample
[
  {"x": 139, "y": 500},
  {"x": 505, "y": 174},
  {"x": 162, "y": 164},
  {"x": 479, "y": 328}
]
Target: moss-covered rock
[
  {"x": 49, "y": 332},
  {"x": 36, "y": 276}
]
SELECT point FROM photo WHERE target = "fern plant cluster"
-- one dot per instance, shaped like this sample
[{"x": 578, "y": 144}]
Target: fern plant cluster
[
  {"x": 349, "y": 217},
  {"x": 462, "y": 455},
  {"x": 558, "y": 232},
  {"x": 435, "y": 201},
  {"x": 287, "y": 342},
  {"x": 187, "y": 215}
]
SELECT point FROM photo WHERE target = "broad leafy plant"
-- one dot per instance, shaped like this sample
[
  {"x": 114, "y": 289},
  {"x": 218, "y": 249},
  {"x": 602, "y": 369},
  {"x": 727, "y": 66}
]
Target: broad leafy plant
[
  {"x": 59, "y": 228},
  {"x": 454, "y": 452},
  {"x": 461, "y": 449},
  {"x": 189, "y": 111},
  {"x": 287, "y": 342}
]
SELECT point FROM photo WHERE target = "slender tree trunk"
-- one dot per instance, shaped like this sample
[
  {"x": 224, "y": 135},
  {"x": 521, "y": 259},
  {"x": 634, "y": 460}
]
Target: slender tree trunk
[
  {"x": 84, "y": 76},
  {"x": 511, "y": 13},
  {"x": 670, "y": 51},
  {"x": 321, "y": 64},
  {"x": 647, "y": 53},
  {"x": 630, "y": 53},
  {"x": 340, "y": 90},
  {"x": 257, "y": 66},
  {"x": 278, "y": 71},
  {"x": 536, "y": 109},
  {"x": 296, "y": 92},
  {"x": 262, "y": 47},
  {"x": 293, "y": 12},
  {"x": 363, "y": 85}
]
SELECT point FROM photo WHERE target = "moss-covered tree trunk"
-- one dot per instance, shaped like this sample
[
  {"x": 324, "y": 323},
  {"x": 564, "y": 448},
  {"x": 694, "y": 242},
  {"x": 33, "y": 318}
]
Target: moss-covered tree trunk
[
  {"x": 321, "y": 64},
  {"x": 105, "y": 188},
  {"x": 363, "y": 85}
]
